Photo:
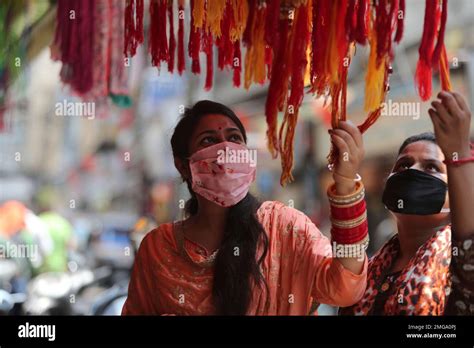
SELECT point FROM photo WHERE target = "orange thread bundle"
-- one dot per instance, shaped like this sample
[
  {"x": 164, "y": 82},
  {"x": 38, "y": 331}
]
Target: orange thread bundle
[{"x": 299, "y": 41}]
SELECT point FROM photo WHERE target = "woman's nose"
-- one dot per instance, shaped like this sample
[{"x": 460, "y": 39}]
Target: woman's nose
[
  {"x": 417, "y": 166},
  {"x": 221, "y": 137}
]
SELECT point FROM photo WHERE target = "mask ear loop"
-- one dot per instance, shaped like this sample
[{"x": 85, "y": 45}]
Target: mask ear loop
[
  {"x": 185, "y": 180},
  {"x": 445, "y": 210}
]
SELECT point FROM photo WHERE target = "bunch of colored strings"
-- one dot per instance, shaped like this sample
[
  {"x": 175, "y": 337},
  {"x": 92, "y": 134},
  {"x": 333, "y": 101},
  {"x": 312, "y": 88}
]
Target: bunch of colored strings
[{"x": 293, "y": 44}]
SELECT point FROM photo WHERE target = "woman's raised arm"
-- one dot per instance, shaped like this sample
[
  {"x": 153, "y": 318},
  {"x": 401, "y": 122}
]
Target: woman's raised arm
[
  {"x": 348, "y": 211},
  {"x": 451, "y": 119}
]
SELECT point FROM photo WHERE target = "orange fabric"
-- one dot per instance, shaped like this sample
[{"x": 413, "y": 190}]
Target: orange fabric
[
  {"x": 12, "y": 218},
  {"x": 298, "y": 268}
]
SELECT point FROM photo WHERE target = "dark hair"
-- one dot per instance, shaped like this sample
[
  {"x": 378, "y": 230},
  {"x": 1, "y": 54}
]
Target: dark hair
[
  {"x": 426, "y": 136},
  {"x": 234, "y": 276}
]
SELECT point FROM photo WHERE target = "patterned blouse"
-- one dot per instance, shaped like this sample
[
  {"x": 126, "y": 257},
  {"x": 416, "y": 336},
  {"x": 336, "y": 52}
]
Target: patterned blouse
[{"x": 438, "y": 280}]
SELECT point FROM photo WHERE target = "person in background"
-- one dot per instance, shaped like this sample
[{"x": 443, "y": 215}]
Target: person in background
[
  {"x": 24, "y": 238},
  {"x": 61, "y": 233},
  {"x": 427, "y": 268}
]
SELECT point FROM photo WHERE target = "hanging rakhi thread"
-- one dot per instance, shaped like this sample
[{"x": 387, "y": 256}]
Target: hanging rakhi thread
[
  {"x": 278, "y": 86},
  {"x": 268, "y": 28},
  {"x": 73, "y": 43},
  {"x": 255, "y": 55},
  {"x": 194, "y": 43},
  {"x": 158, "y": 45},
  {"x": 431, "y": 55},
  {"x": 172, "y": 40},
  {"x": 181, "y": 58},
  {"x": 299, "y": 43},
  {"x": 133, "y": 27},
  {"x": 382, "y": 18}
]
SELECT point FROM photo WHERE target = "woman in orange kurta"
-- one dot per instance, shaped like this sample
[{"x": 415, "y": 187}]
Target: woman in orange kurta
[{"x": 233, "y": 255}]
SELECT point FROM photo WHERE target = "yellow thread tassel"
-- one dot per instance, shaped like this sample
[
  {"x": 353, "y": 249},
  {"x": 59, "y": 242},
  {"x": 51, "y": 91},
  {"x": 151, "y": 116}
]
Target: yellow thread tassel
[
  {"x": 198, "y": 13},
  {"x": 332, "y": 58},
  {"x": 374, "y": 80},
  {"x": 241, "y": 12},
  {"x": 444, "y": 71},
  {"x": 215, "y": 13},
  {"x": 307, "y": 73},
  {"x": 255, "y": 55}
]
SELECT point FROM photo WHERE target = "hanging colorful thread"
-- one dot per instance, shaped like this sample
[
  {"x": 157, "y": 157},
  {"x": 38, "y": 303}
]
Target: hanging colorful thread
[
  {"x": 431, "y": 54},
  {"x": 133, "y": 27},
  {"x": 181, "y": 60},
  {"x": 194, "y": 44},
  {"x": 73, "y": 43},
  {"x": 299, "y": 42},
  {"x": 225, "y": 46},
  {"x": 278, "y": 85},
  {"x": 388, "y": 16},
  {"x": 172, "y": 40},
  {"x": 105, "y": 74},
  {"x": 288, "y": 41},
  {"x": 158, "y": 46},
  {"x": 255, "y": 43}
]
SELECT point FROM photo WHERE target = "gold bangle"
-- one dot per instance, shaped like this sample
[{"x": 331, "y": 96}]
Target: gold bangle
[
  {"x": 347, "y": 205},
  {"x": 354, "y": 197},
  {"x": 331, "y": 192},
  {"x": 347, "y": 202},
  {"x": 350, "y": 223}
]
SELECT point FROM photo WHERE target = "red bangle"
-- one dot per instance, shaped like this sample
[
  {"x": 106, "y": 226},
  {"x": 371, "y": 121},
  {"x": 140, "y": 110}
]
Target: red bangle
[
  {"x": 358, "y": 233},
  {"x": 353, "y": 240},
  {"x": 347, "y": 213},
  {"x": 349, "y": 236},
  {"x": 459, "y": 161},
  {"x": 350, "y": 233}
]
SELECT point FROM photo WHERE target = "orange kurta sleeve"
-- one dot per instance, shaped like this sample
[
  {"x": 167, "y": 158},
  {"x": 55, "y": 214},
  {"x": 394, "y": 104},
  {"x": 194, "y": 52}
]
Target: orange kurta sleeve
[
  {"x": 140, "y": 300},
  {"x": 333, "y": 284},
  {"x": 300, "y": 267}
]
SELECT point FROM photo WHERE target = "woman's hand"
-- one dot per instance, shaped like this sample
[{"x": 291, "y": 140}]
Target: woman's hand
[
  {"x": 347, "y": 139},
  {"x": 451, "y": 119}
]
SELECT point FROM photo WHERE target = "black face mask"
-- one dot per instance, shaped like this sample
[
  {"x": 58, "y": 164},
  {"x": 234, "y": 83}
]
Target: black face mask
[{"x": 414, "y": 192}]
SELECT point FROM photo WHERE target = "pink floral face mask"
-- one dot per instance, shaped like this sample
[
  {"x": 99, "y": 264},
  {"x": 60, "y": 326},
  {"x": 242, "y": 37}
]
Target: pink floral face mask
[{"x": 221, "y": 173}]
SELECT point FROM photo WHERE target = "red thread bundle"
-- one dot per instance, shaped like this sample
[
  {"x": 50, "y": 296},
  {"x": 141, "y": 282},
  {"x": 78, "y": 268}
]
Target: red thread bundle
[
  {"x": 431, "y": 53},
  {"x": 133, "y": 27}
]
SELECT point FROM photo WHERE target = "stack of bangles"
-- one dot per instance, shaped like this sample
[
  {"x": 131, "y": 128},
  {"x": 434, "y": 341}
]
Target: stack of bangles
[{"x": 349, "y": 219}]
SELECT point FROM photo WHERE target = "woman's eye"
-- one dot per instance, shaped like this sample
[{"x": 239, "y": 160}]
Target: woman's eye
[
  {"x": 432, "y": 168},
  {"x": 402, "y": 166},
  {"x": 207, "y": 141},
  {"x": 235, "y": 138}
]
